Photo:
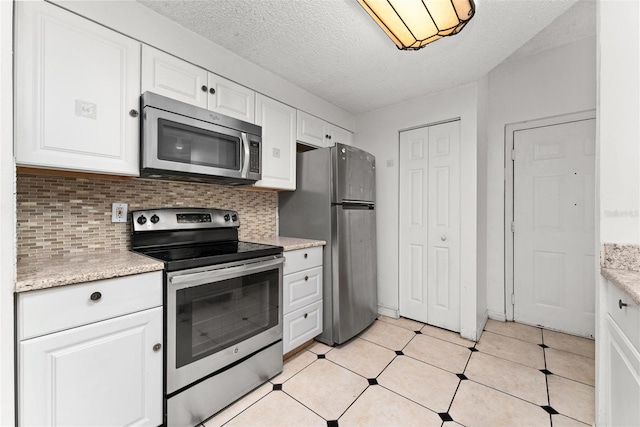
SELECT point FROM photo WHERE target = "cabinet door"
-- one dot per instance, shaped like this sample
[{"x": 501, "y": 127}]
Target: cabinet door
[
  {"x": 231, "y": 99},
  {"x": 103, "y": 374},
  {"x": 169, "y": 76},
  {"x": 340, "y": 136},
  {"x": 301, "y": 326},
  {"x": 76, "y": 84},
  {"x": 278, "y": 123},
  {"x": 623, "y": 366},
  {"x": 312, "y": 130}
]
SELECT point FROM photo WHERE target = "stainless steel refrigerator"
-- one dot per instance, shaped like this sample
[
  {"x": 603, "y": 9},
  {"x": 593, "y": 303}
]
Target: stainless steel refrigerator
[{"x": 335, "y": 201}]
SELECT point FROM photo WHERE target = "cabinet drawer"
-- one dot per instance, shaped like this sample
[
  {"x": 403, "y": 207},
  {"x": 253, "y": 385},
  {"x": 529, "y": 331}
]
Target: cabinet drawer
[
  {"x": 627, "y": 318},
  {"x": 302, "y": 325},
  {"x": 302, "y": 259},
  {"x": 302, "y": 288},
  {"x": 51, "y": 310}
]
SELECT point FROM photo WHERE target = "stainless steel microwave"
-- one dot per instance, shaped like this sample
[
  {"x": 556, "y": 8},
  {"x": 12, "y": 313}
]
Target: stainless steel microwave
[{"x": 184, "y": 142}]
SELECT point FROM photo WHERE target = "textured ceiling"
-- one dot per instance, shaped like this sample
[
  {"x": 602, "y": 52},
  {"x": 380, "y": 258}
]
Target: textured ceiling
[{"x": 333, "y": 49}]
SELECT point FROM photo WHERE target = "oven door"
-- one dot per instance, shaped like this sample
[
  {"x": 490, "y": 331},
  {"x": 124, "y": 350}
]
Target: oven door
[
  {"x": 173, "y": 143},
  {"x": 220, "y": 315}
]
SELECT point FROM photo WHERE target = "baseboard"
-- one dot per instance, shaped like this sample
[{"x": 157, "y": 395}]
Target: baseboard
[
  {"x": 389, "y": 312},
  {"x": 481, "y": 325},
  {"x": 495, "y": 315}
]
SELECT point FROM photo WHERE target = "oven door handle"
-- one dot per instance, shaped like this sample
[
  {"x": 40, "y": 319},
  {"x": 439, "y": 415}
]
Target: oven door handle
[{"x": 191, "y": 279}]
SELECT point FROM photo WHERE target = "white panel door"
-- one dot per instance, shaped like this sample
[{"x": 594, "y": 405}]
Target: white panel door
[
  {"x": 103, "y": 374},
  {"x": 278, "y": 123},
  {"x": 172, "y": 77},
  {"x": 76, "y": 85},
  {"x": 554, "y": 190},
  {"x": 430, "y": 225},
  {"x": 231, "y": 99}
]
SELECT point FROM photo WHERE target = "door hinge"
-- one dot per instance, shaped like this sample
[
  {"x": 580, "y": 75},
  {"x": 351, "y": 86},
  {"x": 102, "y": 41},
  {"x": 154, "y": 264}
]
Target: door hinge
[
  {"x": 513, "y": 154},
  {"x": 513, "y": 299},
  {"x": 513, "y": 227}
]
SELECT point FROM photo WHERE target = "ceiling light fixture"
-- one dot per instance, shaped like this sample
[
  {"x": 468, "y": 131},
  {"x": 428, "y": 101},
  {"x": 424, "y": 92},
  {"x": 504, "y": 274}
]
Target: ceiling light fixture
[{"x": 412, "y": 24}]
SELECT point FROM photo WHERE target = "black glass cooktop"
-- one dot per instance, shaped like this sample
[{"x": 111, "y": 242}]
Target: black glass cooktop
[{"x": 192, "y": 256}]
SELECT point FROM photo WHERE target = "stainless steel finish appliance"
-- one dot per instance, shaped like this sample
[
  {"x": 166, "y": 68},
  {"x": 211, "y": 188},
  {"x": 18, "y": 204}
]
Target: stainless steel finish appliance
[
  {"x": 184, "y": 142},
  {"x": 335, "y": 201},
  {"x": 223, "y": 308}
]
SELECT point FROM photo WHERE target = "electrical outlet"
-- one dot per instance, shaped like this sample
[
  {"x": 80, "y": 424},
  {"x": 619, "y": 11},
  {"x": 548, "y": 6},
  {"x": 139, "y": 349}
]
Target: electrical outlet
[{"x": 118, "y": 212}]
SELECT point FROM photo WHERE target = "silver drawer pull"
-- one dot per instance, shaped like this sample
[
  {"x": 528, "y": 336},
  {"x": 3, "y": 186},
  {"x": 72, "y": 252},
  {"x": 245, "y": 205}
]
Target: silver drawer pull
[
  {"x": 157, "y": 347},
  {"x": 95, "y": 296},
  {"x": 621, "y": 304}
]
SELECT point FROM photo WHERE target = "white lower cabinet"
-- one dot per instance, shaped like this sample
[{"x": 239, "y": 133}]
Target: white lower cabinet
[
  {"x": 302, "y": 296},
  {"x": 105, "y": 373}
]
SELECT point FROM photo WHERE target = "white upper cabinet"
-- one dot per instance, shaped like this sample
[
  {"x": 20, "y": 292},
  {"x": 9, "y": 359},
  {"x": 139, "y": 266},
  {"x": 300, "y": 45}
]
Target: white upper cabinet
[
  {"x": 278, "y": 123},
  {"x": 231, "y": 99},
  {"x": 339, "y": 135},
  {"x": 172, "y": 77},
  {"x": 312, "y": 130},
  {"x": 78, "y": 89}
]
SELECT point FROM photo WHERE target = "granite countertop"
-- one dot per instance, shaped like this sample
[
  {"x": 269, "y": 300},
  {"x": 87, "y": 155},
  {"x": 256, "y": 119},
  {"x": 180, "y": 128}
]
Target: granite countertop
[
  {"x": 42, "y": 273},
  {"x": 289, "y": 243},
  {"x": 620, "y": 264}
]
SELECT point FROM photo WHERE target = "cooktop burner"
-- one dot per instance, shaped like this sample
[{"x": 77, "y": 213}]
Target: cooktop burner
[{"x": 193, "y": 237}]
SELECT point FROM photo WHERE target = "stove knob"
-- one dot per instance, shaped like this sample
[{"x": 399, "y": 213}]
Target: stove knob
[
  {"x": 141, "y": 219},
  {"x": 227, "y": 217},
  {"x": 155, "y": 219},
  {"x": 234, "y": 217}
]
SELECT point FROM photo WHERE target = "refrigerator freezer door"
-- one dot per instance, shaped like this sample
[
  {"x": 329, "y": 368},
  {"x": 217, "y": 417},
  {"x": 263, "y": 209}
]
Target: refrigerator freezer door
[
  {"x": 354, "y": 174},
  {"x": 355, "y": 292}
]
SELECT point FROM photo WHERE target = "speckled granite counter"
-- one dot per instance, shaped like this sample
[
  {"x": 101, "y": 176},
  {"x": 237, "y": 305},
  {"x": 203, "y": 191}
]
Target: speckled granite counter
[
  {"x": 620, "y": 264},
  {"x": 42, "y": 273},
  {"x": 289, "y": 243}
]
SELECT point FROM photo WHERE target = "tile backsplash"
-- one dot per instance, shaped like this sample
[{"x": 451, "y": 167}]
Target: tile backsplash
[{"x": 60, "y": 215}]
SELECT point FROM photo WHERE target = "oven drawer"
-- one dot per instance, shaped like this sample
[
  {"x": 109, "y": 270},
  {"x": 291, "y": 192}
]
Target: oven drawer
[
  {"x": 301, "y": 288},
  {"x": 302, "y": 259},
  {"x": 302, "y": 325},
  {"x": 56, "y": 309}
]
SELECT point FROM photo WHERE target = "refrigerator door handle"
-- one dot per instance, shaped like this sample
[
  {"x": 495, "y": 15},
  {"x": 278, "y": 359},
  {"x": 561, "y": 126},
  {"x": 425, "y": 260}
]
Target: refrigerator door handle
[{"x": 357, "y": 204}]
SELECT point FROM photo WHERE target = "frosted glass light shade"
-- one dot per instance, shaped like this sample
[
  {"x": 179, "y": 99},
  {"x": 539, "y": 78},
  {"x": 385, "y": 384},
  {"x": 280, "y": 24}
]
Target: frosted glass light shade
[{"x": 412, "y": 24}]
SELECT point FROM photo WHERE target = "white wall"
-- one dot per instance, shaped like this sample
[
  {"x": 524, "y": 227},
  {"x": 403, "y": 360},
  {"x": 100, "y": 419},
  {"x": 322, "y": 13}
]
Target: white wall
[
  {"x": 619, "y": 121},
  {"x": 378, "y": 132},
  {"x": 141, "y": 23},
  {"x": 553, "y": 82},
  {"x": 7, "y": 215},
  {"x": 481, "y": 247}
]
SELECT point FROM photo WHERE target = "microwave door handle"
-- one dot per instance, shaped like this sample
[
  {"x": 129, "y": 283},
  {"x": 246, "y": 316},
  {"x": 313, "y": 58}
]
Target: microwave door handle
[{"x": 245, "y": 164}]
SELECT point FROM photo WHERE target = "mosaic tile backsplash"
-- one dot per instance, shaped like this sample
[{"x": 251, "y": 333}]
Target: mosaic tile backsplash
[{"x": 66, "y": 215}]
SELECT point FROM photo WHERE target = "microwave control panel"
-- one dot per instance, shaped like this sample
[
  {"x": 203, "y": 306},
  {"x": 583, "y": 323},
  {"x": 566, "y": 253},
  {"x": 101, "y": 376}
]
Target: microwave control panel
[{"x": 254, "y": 157}]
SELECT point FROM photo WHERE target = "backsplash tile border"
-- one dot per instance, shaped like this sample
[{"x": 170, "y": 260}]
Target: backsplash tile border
[{"x": 59, "y": 215}]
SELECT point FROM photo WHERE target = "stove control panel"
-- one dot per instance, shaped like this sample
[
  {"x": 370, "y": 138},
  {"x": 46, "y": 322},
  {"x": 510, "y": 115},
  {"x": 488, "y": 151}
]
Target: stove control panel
[{"x": 183, "y": 219}]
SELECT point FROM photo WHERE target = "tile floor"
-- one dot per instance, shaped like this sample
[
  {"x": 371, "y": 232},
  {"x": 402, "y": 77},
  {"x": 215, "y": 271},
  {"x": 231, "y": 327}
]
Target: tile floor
[{"x": 403, "y": 373}]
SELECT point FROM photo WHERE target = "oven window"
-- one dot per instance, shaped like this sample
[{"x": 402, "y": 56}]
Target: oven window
[
  {"x": 215, "y": 316},
  {"x": 187, "y": 144}
]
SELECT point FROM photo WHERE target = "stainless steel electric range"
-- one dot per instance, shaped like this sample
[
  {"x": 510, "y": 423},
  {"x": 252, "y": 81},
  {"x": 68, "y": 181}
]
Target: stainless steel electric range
[{"x": 222, "y": 307}]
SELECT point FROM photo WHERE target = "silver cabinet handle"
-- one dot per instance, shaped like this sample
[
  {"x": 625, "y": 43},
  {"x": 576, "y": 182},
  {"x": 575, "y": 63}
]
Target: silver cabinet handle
[
  {"x": 621, "y": 304},
  {"x": 157, "y": 347},
  {"x": 443, "y": 238}
]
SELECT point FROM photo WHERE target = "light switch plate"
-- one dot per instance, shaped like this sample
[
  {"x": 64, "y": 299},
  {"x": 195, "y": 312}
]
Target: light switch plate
[{"x": 118, "y": 212}]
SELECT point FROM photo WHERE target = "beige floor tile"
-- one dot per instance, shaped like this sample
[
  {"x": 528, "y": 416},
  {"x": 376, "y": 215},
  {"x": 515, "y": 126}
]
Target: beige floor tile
[
  {"x": 403, "y": 322},
  {"x": 515, "y": 330},
  {"x": 522, "y": 352},
  {"x": 424, "y": 384},
  {"x": 240, "y": 405},
  {"x": 319, "y": 348},
  {"x": 451, "y": 424},
  {"x": 442, "y": 354},
  {"x": 277, "y": 409},
  {"x": 562, "y": 421},
  {"x": 443, "y": 334},
  {"x": 293, "y": 365},
  {"x": 381, "y": 407},
  {"x": 477, "y": 405},
  {"x": 571, "y": 343},
  {"x": 362, "y": 357},
  {"x": 571, "y": 398},
  {"x": 507, "y": 376},
  {"x": 387, "y": 335},
  {"x": 572, "y": 366},
  {"x": 326, "y": 388}
]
